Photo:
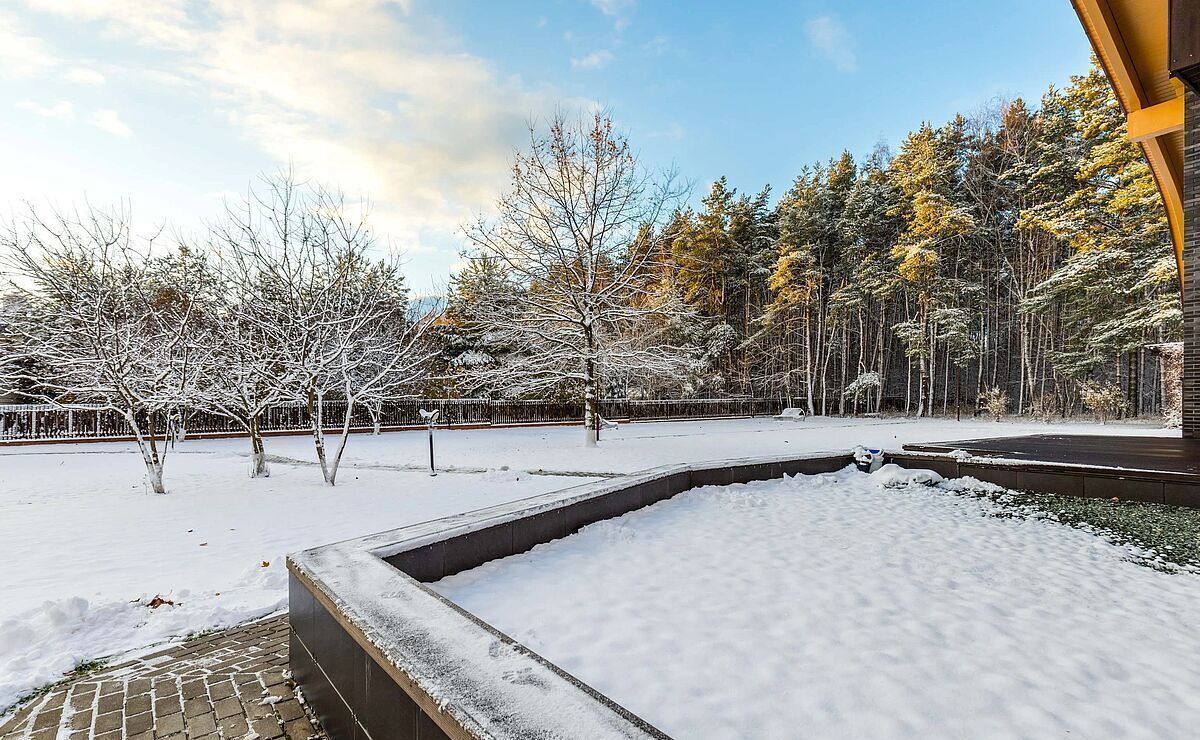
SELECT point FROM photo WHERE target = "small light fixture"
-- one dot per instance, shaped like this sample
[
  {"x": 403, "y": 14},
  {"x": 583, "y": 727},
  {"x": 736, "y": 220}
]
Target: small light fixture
[{"x": 430, "y": 418}]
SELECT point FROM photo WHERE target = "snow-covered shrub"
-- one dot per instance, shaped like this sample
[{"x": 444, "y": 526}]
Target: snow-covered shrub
[
  {"x": 1102, "y": 399},
  {"x": 1044, "y": 408},
  {"x": 863, "y": 386},
  {"x": 472, "y": 358},
  {"x": 995, "y": 402}
]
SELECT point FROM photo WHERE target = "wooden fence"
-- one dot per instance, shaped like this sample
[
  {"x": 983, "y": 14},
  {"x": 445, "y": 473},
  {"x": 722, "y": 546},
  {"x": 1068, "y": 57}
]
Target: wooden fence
[{"x": 29, "y": 422}]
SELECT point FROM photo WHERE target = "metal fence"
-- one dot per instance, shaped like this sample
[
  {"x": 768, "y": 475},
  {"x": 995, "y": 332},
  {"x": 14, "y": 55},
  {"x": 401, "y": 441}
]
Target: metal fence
[{"x": 21, "y": 422}]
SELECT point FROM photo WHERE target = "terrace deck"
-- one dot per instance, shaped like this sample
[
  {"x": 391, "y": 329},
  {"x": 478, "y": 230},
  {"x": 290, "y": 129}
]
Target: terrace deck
[{"x": 1158, "y": 454}]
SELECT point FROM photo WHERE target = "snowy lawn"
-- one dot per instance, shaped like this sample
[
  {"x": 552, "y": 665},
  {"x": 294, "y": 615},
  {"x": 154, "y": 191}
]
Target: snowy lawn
[
  {"x": 833, "y": 606},
  {"x": 85, "y": 546},
  {"x": 636, "y": 447}
]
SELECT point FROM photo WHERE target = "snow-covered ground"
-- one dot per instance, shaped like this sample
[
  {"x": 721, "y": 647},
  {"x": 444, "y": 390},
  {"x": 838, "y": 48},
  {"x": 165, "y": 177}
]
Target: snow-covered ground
[
  {"x": 85, "y": 546},
  {"x": 833, "y": 606}
]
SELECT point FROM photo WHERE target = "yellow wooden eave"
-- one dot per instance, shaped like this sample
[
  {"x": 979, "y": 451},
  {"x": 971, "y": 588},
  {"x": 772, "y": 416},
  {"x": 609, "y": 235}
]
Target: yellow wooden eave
[{"x": 1130, "y": 38}]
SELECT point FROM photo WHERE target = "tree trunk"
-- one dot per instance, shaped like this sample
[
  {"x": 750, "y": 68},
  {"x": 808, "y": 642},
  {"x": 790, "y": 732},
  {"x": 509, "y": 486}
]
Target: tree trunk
[
  {"x": 808, "y": 361},
  {"x": 957, "y": 392},
  {"x": 316, "y": 419},
  {"x": 149, "y": 449},
  {"x": 258, "y": 452},
  {"x": 590, "y": 412},
  {"x": 331, "y": 476}
]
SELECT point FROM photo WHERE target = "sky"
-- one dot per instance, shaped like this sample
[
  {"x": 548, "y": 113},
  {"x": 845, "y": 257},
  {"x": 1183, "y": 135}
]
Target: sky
[{"x": 175, "y": 106}]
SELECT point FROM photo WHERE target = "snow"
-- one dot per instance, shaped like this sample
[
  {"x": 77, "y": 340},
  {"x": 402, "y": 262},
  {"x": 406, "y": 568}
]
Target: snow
[
  {"x": 892, "y": 476},
  {"x": 91, "y": 546},
  {"x": 490, "y": 686},
  {"x": 88, "y": 546},
  {"x": 851, "y": 608},
  {"x": 643, "y": 445}
]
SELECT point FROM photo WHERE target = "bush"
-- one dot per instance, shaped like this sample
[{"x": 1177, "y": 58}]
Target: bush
[
  {"x": 995, "y": 402},
  {"x": 1045, "y": 408},
  {"x": 1102, "y": 399}
]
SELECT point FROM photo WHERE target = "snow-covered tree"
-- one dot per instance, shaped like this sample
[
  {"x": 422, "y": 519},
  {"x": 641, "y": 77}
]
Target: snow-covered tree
[
  {"x": 319, "y": 317},
  {"x": 863, "y": 387},
  {"x": 1117, "y": 290},
  {"x": 995, "y": 402},
  {"x": 105, "y": 318},
  {"x": 1105, "y": 400},
  {"x": 577, "y": 234},
  {"x": 244, "y": 373},
  {"x": 936, "y": 221}
]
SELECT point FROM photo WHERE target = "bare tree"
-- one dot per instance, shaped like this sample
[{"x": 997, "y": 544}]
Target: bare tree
[
  {"x": 243, "y": 376},
  {"x": 578, "y": 234},
  {"x": 105, "y": 319},
  {"x": 331, "y": 322},
  {"x": 10, "y": 344}
]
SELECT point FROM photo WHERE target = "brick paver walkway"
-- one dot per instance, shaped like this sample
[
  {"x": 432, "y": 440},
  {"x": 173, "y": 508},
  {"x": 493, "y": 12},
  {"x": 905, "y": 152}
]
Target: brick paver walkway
[{"x": 229, "y": 685}]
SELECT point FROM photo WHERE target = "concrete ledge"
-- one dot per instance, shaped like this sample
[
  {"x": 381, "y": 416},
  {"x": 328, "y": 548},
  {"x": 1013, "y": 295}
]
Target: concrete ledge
[
  {"x": 379, "y": 655},
  {"x": 1086, "y": 481}
]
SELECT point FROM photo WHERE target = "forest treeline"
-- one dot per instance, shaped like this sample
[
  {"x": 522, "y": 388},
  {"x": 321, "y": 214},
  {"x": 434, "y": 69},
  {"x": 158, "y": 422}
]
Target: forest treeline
[{"x": 1022, "y": 250}]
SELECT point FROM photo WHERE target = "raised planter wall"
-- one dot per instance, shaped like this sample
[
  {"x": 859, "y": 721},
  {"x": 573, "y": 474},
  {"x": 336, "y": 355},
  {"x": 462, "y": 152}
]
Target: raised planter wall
[
  {"x": 1085, "y": 481},
  {"x": 381, "y": 661},
  {"x": 379, "y": 655}
]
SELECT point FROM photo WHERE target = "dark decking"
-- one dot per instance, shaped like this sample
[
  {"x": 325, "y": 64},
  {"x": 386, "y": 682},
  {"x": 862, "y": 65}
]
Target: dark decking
[{"x": 1163, "y": 454}]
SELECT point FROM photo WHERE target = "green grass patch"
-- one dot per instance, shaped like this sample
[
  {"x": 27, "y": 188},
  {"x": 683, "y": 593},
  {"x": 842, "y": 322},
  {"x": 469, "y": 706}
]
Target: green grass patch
[
  {"x": 1169, "y": 535},
  {"x": 84, "y": 669}
]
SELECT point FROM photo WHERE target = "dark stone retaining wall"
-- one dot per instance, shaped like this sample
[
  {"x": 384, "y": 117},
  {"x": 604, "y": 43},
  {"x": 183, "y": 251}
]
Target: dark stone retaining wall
[
  {"x": 359, "y": 695},
  {"x": 352, "y": 691},
  {"x": 437, "y": 560},
  {"x": 336, "y": 674},
  {"x": 1178, "y": 489}
]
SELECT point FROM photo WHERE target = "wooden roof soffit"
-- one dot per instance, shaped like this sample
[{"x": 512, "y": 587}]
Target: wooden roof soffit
[{"x": 1152, "y": 123}]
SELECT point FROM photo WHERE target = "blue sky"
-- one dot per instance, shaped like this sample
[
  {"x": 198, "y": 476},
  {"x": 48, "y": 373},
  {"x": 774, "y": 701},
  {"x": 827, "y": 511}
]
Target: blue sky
[{"x": 176, "y": 104}]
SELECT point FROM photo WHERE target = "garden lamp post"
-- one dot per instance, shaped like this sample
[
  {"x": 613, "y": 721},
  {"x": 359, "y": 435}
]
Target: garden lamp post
[{"x": 430, "y": 418}]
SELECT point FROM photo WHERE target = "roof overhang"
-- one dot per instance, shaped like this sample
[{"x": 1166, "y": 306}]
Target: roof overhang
[{"x": 1131, "y": 39}]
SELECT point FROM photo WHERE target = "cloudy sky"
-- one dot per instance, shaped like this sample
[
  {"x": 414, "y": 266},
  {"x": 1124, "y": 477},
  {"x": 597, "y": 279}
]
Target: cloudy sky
[{"x": 417, "y": 104}]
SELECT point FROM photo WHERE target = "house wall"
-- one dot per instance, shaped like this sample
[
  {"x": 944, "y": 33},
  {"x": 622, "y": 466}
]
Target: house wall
[{"x": 1191, "y": 266}]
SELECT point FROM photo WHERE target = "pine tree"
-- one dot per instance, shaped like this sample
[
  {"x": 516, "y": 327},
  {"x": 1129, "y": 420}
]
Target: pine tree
[
  {"x": 1116, "y": 291},
  {"x": 925, "y": 172}
]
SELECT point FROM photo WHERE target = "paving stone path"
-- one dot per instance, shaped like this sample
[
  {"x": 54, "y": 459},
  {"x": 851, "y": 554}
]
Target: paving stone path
[{"x": 230, "y": 685}]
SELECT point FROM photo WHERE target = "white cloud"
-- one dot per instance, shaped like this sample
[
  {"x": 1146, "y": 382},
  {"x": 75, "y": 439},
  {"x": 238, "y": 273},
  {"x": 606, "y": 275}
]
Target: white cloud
[
  {"x": 355, "y": 93},
  {"x": 107, "y": 119},
  {"x": 672, "y": 132},
  {"x": 612, "y": 7},
  {"x": 84, "y": 76},
  {"x": 595, "y": 60},
  {"x": 21, "y": 54},
  {"x": 61, "y": 109},
  {"x": 831, "y": 40},
  {"x": 618, "y": 10},
  {"x": 658, "y": 45}
]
